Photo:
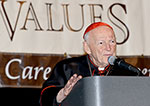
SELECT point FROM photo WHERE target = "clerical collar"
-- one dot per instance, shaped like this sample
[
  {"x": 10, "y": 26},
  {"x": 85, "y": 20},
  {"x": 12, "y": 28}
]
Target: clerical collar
[
  {"x": 95, "y": 70},
  {"x": 99, "y": 68}
]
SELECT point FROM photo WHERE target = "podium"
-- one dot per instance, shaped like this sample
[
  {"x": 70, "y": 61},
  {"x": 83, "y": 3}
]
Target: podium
[{"x": 110, "y": 91}]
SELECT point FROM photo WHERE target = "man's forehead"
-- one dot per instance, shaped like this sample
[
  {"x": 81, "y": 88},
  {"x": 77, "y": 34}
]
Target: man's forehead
[{"x": 102, "y": 33}]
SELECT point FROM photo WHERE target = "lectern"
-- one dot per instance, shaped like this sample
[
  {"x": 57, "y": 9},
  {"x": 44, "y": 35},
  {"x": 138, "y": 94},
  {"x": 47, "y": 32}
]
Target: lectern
[{"x": 110, "y": 91}]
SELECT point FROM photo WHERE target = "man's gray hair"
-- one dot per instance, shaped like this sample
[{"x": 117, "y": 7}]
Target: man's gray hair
[{"x": 86, "y": 36}]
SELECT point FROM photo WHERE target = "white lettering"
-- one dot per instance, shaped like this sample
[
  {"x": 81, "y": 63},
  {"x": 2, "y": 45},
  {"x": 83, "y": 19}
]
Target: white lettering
[
  {"x": 144, "y": 71},
  {"x": 28, "y": 72},
  {"x": 37, "y": 70},
  {"x": 7, "y": 69},
  {"x": 47, "y": 71}
]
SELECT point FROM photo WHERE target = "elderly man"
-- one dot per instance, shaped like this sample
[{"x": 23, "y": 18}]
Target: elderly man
[{"x": 99, "y": 44}]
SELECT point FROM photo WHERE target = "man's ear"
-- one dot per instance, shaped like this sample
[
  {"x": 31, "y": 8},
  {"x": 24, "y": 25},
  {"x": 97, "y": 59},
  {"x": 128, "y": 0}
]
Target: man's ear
[{"x": 86, "y": 47}]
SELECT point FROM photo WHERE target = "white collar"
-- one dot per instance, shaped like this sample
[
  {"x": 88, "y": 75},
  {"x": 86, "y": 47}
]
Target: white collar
[{"x": 99, "y": 68}]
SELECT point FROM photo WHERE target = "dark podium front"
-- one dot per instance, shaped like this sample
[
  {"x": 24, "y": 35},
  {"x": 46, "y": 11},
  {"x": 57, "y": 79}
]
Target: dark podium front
[{"x": 110, "y": 91}]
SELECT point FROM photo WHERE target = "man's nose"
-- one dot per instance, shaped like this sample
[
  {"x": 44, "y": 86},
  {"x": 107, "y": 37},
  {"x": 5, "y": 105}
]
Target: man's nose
[{"x": 108, "y": 47}]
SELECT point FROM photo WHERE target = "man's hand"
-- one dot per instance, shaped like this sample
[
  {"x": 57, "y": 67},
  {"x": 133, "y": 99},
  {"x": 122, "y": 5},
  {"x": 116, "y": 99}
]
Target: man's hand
[{"x": 62, "y": 94}]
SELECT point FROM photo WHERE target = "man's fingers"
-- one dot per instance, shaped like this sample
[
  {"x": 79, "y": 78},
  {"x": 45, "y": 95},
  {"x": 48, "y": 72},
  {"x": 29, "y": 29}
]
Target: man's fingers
[
  {"x": 79, "y": 77},
  {"x": 75, "y": 80},
  {"x": 70, "y": 81},
  {"x": 70, "y": 84},
  {"x": 68, "y": 87}
]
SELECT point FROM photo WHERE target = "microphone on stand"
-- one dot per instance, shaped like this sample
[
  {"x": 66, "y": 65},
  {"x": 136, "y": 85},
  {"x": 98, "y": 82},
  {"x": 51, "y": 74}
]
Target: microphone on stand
[{"x": 113, "y": 60}]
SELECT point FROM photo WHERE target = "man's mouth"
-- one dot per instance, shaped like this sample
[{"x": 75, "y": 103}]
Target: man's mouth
[{"x": 107, "y": 55}]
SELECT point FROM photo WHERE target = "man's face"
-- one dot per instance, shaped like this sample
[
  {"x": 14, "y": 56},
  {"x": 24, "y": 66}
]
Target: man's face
[{"x": 100, "y": 45}]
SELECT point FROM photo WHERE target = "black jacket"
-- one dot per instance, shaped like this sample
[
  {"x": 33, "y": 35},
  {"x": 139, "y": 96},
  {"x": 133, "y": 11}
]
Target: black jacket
[{"x": 66, "y": 68}]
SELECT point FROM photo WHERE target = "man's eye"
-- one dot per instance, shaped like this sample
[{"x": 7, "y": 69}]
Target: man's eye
[
  {"x": 100, "y": 43},
  {"x": 112, "y": 41}
]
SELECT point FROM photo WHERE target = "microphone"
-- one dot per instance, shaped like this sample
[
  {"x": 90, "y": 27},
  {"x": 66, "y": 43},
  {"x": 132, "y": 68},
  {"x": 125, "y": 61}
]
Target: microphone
[{"x": 113, "y": 60}]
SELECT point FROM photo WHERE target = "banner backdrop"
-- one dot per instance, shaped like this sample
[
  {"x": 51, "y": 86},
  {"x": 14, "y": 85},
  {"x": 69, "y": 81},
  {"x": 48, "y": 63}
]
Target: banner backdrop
[
  {"x": 35, "y": 34},
  {"x": 57, "y": 26},
  {"x": 31, "y": 70}
]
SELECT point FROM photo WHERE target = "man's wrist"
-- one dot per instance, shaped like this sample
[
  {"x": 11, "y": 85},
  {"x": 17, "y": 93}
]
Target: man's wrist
[{"x": 60, "y": 96}]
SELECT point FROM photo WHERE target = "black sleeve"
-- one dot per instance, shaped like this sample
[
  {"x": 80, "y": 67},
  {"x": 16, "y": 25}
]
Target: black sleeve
[
  {"x": 48, "y": 97},
  {"x": 52, "y": 86}
]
